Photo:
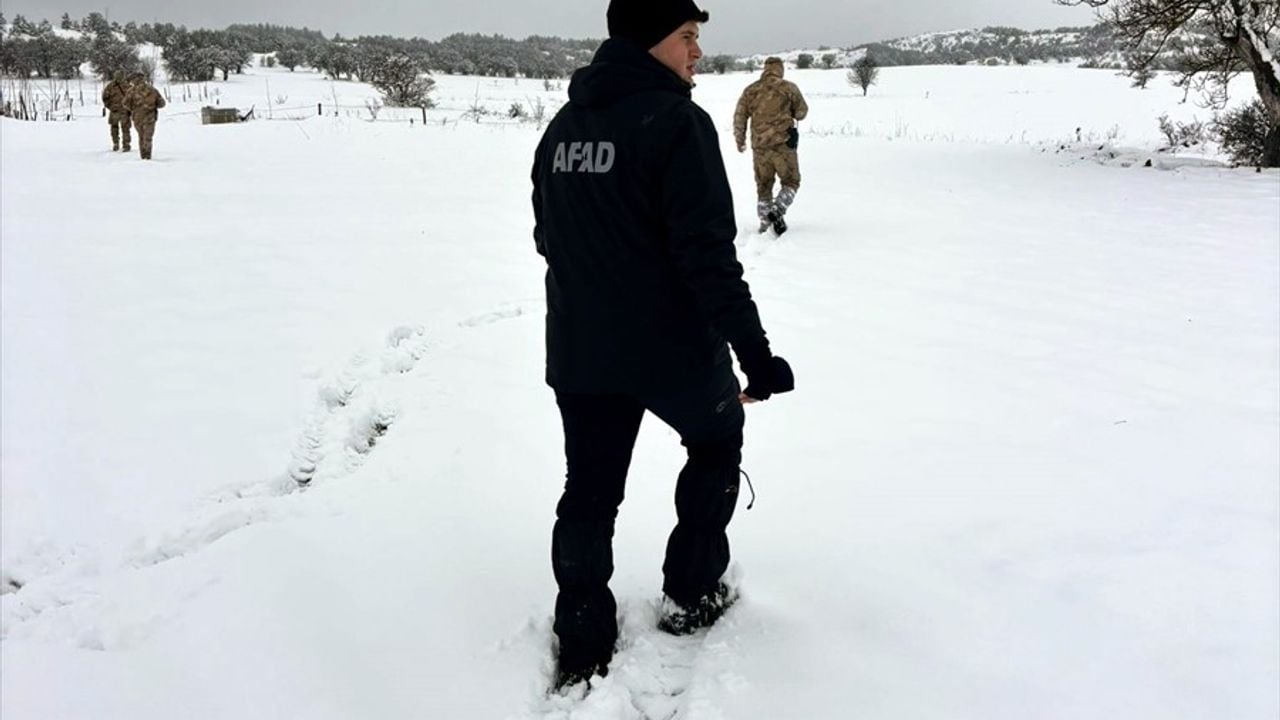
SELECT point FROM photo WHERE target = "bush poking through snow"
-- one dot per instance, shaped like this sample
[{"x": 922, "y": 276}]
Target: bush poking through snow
[
  {"x": 1182, "y": 134},
  {"x": 1243, "y": 131}
]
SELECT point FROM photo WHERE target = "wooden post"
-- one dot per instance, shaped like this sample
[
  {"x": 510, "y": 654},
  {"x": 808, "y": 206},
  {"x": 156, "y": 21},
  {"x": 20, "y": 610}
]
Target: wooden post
[
  {"x": 319, "y": 109},
  {"x": 424, "y": 116}
]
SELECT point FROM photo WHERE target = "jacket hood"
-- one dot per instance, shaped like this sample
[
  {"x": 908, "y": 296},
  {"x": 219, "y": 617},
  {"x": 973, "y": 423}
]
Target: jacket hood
[
  {"x": 772, "y": 68},
  {"x": 618, "y": 70}
]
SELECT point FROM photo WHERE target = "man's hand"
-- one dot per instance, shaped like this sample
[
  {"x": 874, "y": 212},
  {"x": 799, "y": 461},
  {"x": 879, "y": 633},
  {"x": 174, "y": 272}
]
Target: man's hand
[{"x": 766, "y": 378}]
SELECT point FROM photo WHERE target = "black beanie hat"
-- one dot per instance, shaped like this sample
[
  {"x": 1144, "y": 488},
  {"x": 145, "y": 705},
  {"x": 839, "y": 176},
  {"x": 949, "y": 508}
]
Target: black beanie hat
[{"x": 648, "y": 22}]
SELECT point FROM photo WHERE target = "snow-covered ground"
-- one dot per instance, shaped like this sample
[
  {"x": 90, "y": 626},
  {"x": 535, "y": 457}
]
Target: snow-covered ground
[{"x": 1030, "y": 469}]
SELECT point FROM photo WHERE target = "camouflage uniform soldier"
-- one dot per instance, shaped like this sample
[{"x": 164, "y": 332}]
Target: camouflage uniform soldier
[
  {"x": 113, "y": 96},
  {"x": 142, "y": 102},
  {"x": 773, "y": 106}
]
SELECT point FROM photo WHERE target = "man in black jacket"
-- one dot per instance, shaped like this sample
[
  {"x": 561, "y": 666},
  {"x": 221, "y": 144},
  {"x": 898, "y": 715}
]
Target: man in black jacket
[{"x": 635, "y": 219}]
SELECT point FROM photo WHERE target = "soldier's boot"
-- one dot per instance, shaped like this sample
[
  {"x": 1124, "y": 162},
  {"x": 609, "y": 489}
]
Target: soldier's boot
[
  {"x": 786, "y": 196},
  {"x": 764, "y": 210},
  {"x": 779, "y": 224}
]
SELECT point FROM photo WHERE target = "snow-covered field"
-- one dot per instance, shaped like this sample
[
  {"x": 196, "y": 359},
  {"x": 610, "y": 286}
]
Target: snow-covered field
[{"x": 1030, "y": 470}]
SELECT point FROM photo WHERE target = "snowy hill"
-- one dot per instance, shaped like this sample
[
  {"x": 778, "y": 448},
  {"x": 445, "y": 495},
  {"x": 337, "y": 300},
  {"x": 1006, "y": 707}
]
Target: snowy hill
[
  {"x": 1090, "y": 46},
  {"x": 842, "y": 57},
  {"x": 1029, "y": 469}
]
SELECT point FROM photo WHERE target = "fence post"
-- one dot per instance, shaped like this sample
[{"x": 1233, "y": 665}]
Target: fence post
[
  {"x": 424, "y": 116},
  {"x": 319, "y": 109}
]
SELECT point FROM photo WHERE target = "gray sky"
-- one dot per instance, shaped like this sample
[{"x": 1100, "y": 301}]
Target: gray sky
[{"x": 737, "y": 26}]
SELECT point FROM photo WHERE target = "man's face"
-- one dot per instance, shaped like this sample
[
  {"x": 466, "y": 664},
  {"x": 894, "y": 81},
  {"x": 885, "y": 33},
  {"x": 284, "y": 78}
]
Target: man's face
[{"x": 680, "y": 51}]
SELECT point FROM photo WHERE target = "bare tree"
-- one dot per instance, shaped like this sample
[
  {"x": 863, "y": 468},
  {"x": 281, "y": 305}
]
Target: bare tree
[
  {"x": 1248, "y": 35},
  {"x": 864, "y": 73}
]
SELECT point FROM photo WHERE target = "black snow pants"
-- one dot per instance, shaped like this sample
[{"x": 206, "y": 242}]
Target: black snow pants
[{"x": 600, "y": 432}]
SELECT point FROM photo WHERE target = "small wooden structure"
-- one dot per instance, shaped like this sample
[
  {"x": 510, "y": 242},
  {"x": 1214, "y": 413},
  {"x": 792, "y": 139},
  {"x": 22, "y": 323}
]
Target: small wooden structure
[{"x": 217, "y": 116}]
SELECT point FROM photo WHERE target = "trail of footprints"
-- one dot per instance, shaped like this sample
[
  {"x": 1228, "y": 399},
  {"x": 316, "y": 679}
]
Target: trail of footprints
[{"x": 350, "y": 414}]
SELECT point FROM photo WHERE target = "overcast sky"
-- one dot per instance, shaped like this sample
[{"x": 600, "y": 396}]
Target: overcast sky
[{"x": 737, "y": 26}]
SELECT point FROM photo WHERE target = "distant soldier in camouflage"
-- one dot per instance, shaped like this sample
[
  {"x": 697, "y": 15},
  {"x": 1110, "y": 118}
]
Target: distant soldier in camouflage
[
  {"x": 113, "y": 96},
  {"x": 143, "y": 102},
  {"x": 773, "y": 106}
]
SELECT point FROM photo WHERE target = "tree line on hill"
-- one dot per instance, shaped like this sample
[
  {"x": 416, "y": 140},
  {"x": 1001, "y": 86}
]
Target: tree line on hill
[{"x": 35, "y": 49}]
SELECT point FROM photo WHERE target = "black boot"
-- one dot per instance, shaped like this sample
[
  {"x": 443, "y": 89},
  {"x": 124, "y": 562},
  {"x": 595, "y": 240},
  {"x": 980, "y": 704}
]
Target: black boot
[
  {"x": 678, "y": 619},
  {"x": 586, "y": 630},
  {"x": 779, "y": 224},
  {"x": 569, "y": 676},
  {"x": 580, "y": 661}
]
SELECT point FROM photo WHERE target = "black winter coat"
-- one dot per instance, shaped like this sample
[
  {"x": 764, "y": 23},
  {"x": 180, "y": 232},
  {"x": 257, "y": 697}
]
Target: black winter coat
[{"x": 635, "y": 218}]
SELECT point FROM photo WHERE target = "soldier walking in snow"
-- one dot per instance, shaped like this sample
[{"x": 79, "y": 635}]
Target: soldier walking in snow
[
  {"x": 773, "y": 106},
  {"x": 634, "y": 216},
  {"x": 143, "y": 102},
  {"x": 113, "y": 97}
]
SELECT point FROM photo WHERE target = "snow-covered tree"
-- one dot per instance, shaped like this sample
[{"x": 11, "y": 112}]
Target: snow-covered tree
[
  {"x": 97, "y": 24},
  {"x": 1248, "y": 39},
  {"x": 402, "y": 82},
  {"x": 290, "y": 57},
  {"x": 721, "y": 64},
  {"x": 108, "y": 54},
  {"x": 22, "y": 26}
]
